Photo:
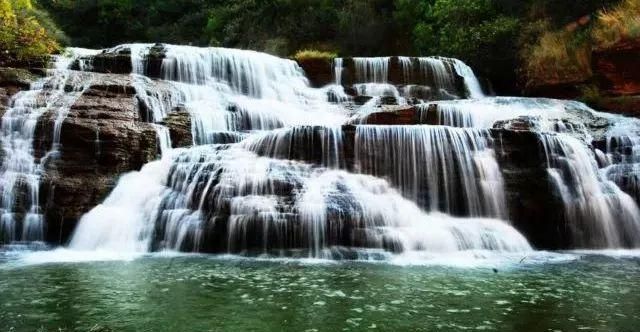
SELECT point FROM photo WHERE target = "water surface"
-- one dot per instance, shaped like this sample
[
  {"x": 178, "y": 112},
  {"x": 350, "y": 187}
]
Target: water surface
[{"x": 580, "y": 291}]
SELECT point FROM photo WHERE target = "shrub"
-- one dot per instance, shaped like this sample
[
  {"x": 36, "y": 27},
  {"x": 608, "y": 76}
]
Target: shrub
[
  {"x": 21, "y": 35},
  {"x": 303, "y": 55},
  {"x": 619, "y": 23},
  {"x": 562, "y": 55}
]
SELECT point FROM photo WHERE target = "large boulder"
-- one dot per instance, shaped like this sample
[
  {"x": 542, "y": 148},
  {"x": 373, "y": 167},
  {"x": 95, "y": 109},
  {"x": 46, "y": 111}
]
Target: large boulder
[{"x": 319, "y": 71}]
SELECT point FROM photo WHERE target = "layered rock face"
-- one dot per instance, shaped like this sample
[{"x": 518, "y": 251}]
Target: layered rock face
[
  {"x": 618, "y": 77},
  {"x": 102, "y": 136},
  {"x": 84, "y": 147}
]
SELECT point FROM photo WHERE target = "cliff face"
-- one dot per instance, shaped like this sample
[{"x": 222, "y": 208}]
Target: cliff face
[
  {"x": 614, "y": 86},
  {"x": 617, "y": 70}
]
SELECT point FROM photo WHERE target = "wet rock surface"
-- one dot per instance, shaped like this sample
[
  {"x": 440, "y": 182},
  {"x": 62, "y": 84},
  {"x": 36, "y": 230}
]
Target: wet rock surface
[
  {"x": 318, "y": 71},
  {"x": 179, "y": 124},
  {"x": 534, "y": 209},
  {"x": 101, "y": 138}
]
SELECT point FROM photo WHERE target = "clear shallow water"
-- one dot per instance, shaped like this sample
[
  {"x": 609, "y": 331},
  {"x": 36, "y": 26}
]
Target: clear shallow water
[{"x": 576, "y": 291}]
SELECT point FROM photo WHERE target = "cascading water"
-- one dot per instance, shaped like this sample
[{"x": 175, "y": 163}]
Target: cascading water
[
  {"x": 274, "y": 170},
  {"x": 21, "y": 215},
  {"x": 338, "y": 65},
  {"x": 442, "y": 168},
  {"x": 235, "y": 197},
  {"x": 485, "y": 112},
  {"x": 599, "y": 214},
  {"x": 470, "y": 80},
  {"x": 375, "y": 70},
  {"x": 438, "y": 74}
]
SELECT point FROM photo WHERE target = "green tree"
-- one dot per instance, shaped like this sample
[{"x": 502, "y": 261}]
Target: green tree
[
  {"x": 21, "y": 35},
  {"x": 482, "y": 33}
]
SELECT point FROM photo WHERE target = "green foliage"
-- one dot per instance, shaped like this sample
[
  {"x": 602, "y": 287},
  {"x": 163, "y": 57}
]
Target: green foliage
[
  {"x": 21, "y": 34},
  {"x": 493, "y": 36},
  {"x": 481, "y": 33}
]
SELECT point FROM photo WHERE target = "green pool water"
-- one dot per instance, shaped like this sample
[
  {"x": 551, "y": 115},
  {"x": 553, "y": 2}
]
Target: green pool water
[{"x": 579, "y": 292}]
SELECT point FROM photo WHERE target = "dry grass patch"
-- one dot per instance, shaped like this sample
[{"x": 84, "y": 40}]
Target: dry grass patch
[
  {"x": 558, "y": 56},
  {"x": 617, "y": 24},
  {"x": 305, "y": 55}
]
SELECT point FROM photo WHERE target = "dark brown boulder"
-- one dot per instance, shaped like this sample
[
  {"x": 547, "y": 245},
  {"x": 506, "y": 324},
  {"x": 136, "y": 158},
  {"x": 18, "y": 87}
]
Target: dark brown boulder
[
  {"x": 393, "y": 115},
  {"x": 319, "y": 71}
]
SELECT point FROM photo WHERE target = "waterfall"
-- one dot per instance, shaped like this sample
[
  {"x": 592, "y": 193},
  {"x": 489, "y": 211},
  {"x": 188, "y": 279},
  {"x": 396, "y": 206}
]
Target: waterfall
[
  {"x": 407, "y": 67},
  {"x": 227, "y": 199},
  {"x": 246, "y": 195},
  {"x": 338, "y": 65},
  {"x": 120, "y": 223},
  {"x": 377, "y": 90},
  {"x": 485, "y": 112},
  {"x": 470, "y": 80},
  {"x": 442, "y": 75},
  {"x": 438, "y": 72},
  {"x": 598, "y": 213},
  {"x": 373, "y": 70},
  {"x": 442, "y": 168},
  {"x": 622, "y": 159},
  {"x": 21, "y": 215},
  {"x": 323, "y": 145}
]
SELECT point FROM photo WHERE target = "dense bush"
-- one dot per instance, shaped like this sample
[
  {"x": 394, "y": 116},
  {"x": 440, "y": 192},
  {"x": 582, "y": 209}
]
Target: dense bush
[
  {"x": 314, "y": 55},
  {"x": 557, "y": 56}
]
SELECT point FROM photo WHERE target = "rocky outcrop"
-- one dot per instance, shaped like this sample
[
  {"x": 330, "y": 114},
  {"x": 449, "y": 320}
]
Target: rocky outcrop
[
  {"x": 13, "y": 80},
  {"x": 118, "y": 61},
  {"x": 534, "y": 209},
  {"x": 101, "y": 138},
  {"x": 179, "y": 124},
  {"x": 616, "y": 68},
  {"x": 395, "y": 115},
  {"x": 319, "y": 71}
]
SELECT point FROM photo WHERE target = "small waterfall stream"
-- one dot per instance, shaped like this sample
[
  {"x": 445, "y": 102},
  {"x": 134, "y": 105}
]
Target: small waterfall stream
[{"x": 21, "y": 214}]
